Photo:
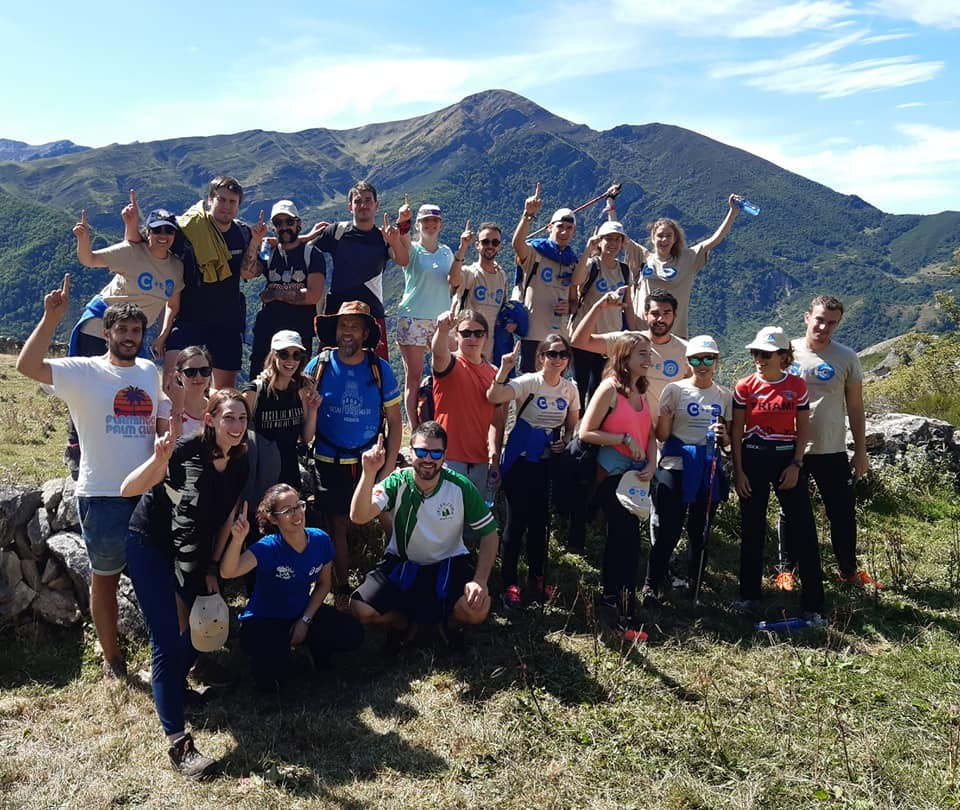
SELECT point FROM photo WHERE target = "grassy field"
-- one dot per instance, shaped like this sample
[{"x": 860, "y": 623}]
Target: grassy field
[{"x": 546, "y": 709}]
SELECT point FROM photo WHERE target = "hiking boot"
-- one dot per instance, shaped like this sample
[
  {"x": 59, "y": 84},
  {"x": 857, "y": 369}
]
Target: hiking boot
[
  {"x": 860, "y": 579},
  {"x": 679, "y": 583},
  {"x": 207, "y": 671},
  {"x": 540, "y": 592},
  {"x": 746, "y": 605},
  {"x": 186, "y": 759},
  {"x": 114, "y": 670},
  {"x": 784, "y": 581},
  {"x": 511, "y": 598},
  {"x": 649, "y": 599},
  {"x": 813, "y": 619},
  {"x": 631, "y": 630},
  {"x": 71, "y": 457}
]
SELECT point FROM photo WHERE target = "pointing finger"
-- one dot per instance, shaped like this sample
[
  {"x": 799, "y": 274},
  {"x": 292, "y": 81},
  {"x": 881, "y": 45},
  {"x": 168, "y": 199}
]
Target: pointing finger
[
  {"x": 65, "y": 289},
  {"x": 262, "y": 220},
  {"x": 386, "y": 221},
  {"x": 468, "y": 225},
  {"x": 406, "y": 199},
  {"x": 536, "y": 194},
  {"x": 243, "y": 509},
  {"x": 379, "y": 441},
  {"x": 133, "y": 197}
]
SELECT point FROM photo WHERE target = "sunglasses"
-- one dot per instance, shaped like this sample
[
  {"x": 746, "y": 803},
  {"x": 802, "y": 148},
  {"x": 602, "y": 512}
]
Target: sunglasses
[
  {"x": 284, "y": 223},
  {"x": 475, "y": 333},
  {"x": 490, "y": 242},
  {"x": 555, "y": 355},
  {"x": 296, "y": 354},
  {"x": 291, "y": 510},
  {"x": 203, "y": 371},
  {"x": 701, "y": 361},
  {"x": 167, "y": 229},
  {"x": 762, "y": 354},
  {"x": 423, "y": 452}
]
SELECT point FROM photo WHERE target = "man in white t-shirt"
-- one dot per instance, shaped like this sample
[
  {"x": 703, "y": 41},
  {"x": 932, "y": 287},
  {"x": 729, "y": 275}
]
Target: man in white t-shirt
[
  {"x": 668, "y": 358},
  {"x": 114, "y": 401},
  {"x": 834, "y": 381}
]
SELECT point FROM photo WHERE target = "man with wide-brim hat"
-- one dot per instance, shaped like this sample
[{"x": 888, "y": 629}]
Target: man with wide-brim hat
[{"x": 359, "y": 393}]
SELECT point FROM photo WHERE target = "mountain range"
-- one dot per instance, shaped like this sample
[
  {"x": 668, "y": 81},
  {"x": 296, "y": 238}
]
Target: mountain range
[{"x": 479, "y": 159}]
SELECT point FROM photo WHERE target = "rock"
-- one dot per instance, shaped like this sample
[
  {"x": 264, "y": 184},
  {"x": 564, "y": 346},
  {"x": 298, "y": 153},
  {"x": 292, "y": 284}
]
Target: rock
[
  {"x": 67, "y": 516},
  {"x": 61, "y": 583},
  {"x": 31, "y": 573},
  {"x": 52, "y": 493},
  {"x": 10, "y": 571},
  {"x": 16, "y": 600},
  {"x": 50, "y": 572},
  {"x": 56, "y": 607},
  {"x": 21, "y": 544},
  {"x": 38, "y": 530},
  {"x": 67, "y": 548},
  {"x": 890, "y": 436},
  {"x": 17, "y": 506}
]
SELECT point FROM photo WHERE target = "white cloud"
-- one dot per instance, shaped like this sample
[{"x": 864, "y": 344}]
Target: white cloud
[
  {"x": 937, "y": 13},
  {"x": 911, "y": 104},
  {"x": 786, "y": 20}
]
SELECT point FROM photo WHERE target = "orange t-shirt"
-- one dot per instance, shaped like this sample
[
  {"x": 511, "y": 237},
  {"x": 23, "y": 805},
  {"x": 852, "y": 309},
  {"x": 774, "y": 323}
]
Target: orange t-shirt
[{"x": 461, "y": 406}]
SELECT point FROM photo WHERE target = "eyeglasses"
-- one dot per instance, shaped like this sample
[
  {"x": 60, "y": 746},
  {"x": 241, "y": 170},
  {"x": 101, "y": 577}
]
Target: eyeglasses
[
  {"x": 284, "y": 223},
  {"x": 761, "y": 354},
  {"x": 701, "y": 361},
  {"x": 290, "y": 510},
  {"x": 296, "y": 354},
  {"x": 554, "y": 355},
  {"x": 203, "y": 371},
  {"x": 167, "y": 229},
  {"x": 475, "y": 333},
  {"x": 490, "y": 242},
  {"x": 423, "y": 452}
]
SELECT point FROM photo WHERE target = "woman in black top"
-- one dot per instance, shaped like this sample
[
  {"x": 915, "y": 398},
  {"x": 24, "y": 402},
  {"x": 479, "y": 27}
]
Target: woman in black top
[
  {"x": 283, "y": 403},
  {"x": 176, "y": 537}
]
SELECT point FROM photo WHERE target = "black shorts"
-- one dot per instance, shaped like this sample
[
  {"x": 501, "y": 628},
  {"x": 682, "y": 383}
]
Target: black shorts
[
  {"x": 420, "y": 603},
  {"x": 225, "y": 345},
  {"x": 339, "y": 481}
]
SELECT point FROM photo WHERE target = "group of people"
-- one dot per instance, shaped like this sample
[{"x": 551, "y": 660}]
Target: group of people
[{"x": 613, "y": 407}]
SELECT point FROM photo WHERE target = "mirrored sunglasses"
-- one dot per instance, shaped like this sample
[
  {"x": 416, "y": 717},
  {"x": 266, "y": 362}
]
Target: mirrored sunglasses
[
  {"x": 701, "y": 361},
  {"x": 423, "y": 452}
]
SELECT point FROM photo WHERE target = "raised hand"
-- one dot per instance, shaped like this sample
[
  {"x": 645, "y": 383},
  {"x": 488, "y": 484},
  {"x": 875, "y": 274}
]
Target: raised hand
[
  {"x": 405, "y": 212},
  {"x": 130, "y": 213},
  {"x": 259, "y": 231},
  {"x": 55, "y": 302},
  {"x": 390, "y": 232},
  {"x": 163, "y": 446},
  {"x": 533, "y": 204},
  {"x": 82, "y": 229},
  {"x": 309, "y": 396},
  {"x": 373, "y": 458},
  {"x": 445, "y": 321},
  {"x": 466, "y": 238},
  {"x": 614, "y": 298},
  {"x": 240, "y": 526},
  {"x": 509, "y": 360}
]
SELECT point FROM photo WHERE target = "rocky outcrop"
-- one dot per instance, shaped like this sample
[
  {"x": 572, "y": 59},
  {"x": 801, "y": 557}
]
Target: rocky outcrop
[
  {"x": 44, "y": 569},
  {"x": 890, "y": 436}
]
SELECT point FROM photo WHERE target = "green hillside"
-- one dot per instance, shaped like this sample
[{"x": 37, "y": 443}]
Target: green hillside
[{"x": 479, "y": 158}]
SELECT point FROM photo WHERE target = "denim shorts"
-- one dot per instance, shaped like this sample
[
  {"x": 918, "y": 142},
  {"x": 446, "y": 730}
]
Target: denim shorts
[{"x": 104, "y": 522}]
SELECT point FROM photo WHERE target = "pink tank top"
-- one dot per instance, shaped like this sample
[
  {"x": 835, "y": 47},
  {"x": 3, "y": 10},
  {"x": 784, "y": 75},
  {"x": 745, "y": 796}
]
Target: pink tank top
[{"x": 624, "y": 419}]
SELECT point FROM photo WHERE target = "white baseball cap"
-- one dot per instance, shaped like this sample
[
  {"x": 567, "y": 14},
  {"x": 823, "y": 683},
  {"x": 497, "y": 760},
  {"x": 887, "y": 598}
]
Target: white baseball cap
[
  {"x": 209, "y": 623},
  {"x": 702, "y": 344},
  {"x": 563, "y": 214},
  {"x": 770, "y": 339},
  {"x": 612, "y": 227},
  {"x": 284, "y": 207},
  {"x": 634, "y": 494},
  {"x": 285, "y": 339}
]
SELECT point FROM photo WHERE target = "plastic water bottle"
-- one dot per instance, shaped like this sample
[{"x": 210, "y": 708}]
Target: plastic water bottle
[
  {"x": 265, "y": 251},
  {"x": 493, "y": 484},
  {"x": 785, "y": 624},
  {"x": 750, "y": 207}
]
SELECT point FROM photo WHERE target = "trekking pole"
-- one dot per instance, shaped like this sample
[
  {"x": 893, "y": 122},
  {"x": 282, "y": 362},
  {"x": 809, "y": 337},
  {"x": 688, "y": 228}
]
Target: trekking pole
[
  {"x": 610, "y": 194},
  {"x": 715, "y": 440}
]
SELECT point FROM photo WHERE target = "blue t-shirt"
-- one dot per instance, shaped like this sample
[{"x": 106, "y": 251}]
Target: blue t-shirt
[
  {"x": 426, "y": 285},
  {"x": 350, "y": 410},
  {"x": 284, "y": 576}
]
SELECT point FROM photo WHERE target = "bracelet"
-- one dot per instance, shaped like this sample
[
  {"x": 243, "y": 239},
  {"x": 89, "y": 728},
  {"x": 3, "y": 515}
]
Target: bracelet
[
  {"x": 529, "y": 217},
  {"x": 797, "y": 464},
  {"x": 457, "y": 259}
]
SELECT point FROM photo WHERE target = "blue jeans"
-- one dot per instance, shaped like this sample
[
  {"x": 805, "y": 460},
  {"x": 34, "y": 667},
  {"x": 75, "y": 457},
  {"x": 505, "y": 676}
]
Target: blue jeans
[
  {"x": 151, "y": 571},
  {"x": 103, "y": 523}
]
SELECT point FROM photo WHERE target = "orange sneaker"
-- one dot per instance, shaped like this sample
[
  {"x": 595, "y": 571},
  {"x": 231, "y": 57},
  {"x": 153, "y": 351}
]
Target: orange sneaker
[
  {"x": 784, "y": 581},
  {"x": 860, "y": 579}
]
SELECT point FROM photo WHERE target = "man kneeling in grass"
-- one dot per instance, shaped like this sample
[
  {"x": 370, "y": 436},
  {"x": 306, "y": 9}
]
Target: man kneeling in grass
[{"x": 426, "y": 576}]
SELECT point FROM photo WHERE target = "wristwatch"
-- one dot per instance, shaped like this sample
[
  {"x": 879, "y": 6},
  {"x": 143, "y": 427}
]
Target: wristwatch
[
  {"x": 627, "y": 438},
  {"x": 306, "y": 619},
  {"x": 797, "y": 464}
]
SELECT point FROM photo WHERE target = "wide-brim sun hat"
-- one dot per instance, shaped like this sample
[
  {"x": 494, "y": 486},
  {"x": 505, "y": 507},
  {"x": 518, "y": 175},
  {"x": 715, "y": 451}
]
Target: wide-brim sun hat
[{"x": 325, "y": 326}]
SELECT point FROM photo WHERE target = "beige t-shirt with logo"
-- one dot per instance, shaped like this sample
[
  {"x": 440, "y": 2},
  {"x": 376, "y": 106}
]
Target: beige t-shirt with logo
[{"x": 676, "y": 276}]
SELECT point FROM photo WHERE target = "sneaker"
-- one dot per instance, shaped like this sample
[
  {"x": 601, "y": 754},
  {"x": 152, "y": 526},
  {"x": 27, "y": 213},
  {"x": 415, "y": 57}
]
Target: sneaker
[
  {"x": 114, "y": 670},
  {"x": 195, "y": 698},
  {"x": 209, "y": 672},
  {"x": 813, "y": 619},
  {"x": 71, "y": 457},
  {"x": 649, "y": 599},
  {"x": 632, "y": 631},
  {"x": 186, "y": 759},
  {"x": 539, "y": 591},
  {"x": 745, "y": 605},
  {"x": 511, "y": 598},
  {"x": 679, "y": 583},
  {"x": 784, "y": 581},
  {"x": 860, "y": 579}
]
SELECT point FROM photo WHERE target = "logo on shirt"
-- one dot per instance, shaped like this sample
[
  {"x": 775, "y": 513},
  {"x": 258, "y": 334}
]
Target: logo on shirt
[
  {"x": 824, "y": 372},
  {"x": 145, "y": 282},
  {"x": 561, "y": 404},
  {"x": 789, "y": 395},
  {"x": 647, "y": 270},
  {"x": 445, "y": 510},
  {"x": 794, "y": 369},
  {"x": 668, "y": 272},
  {"x": 314, "y": 571},
  {"x": 670, "y": 368},
  {"x": 480, "y": 293},
  {"x": 547, "y": 274},
  {"x": 284, "y": 572},
  {"x": 542, "y": 403},
  {"x": 602, "y": 285},
  {"x": 168, "y": 287},
  {"x": 499, "y": 297},
  {"x": 132, "y": 414}
]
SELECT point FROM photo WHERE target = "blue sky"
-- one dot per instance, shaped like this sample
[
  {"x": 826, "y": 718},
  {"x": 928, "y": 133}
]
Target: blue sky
[{"x": 860, "y": 96}]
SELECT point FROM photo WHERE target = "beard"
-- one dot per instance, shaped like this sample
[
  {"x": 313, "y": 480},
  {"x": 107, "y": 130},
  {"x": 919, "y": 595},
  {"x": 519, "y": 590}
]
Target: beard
[
  {"x": 287, "y": 236},
  {"x": 123, "y": 352}
]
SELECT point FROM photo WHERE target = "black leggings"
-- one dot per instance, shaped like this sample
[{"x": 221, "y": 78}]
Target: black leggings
[
  {"x": 763, "y": 469},
  {"x": 621, "y": 553},
  {"x": 525, "y": 485}
]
